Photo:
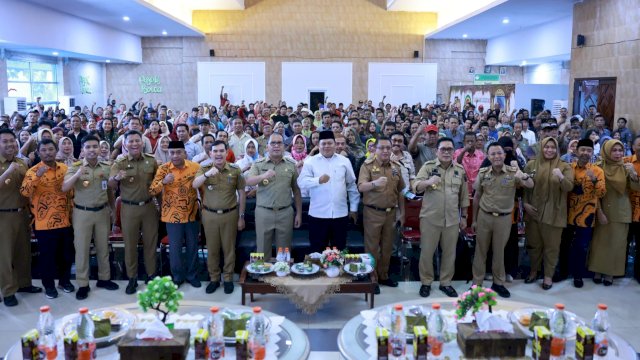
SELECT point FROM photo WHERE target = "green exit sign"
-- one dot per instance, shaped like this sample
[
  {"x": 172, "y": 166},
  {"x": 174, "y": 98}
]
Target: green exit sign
[{"x": 481, "y": 79}]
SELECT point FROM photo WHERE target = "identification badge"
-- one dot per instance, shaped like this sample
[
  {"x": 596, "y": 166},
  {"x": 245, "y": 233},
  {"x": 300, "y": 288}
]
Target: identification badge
[
  {"x": 229, "y": 179},
  {"x": 104, "y": 184},
  {"x": 210, "y": 187},
  {"x": 7, "y": 182},
  {"x": 85, "y": 183}
]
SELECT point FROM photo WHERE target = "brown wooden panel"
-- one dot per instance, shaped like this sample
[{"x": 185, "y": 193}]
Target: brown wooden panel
[{"x": 607, "y": 101}]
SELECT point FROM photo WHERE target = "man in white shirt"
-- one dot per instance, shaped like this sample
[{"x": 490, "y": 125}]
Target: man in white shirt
[
  {"x": 238, "y": 138},
  {"x": 329, "y": 178},
  {"x": 526, "y": 133},
  {"x": 192, "y": 149}
]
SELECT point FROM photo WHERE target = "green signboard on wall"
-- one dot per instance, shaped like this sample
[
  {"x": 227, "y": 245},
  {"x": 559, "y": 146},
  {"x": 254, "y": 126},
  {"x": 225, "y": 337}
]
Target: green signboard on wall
[{"x": 482, "y": 79}]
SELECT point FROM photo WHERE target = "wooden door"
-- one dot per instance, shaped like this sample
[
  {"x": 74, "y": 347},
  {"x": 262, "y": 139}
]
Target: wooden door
[{"x": 600, "y": 92}]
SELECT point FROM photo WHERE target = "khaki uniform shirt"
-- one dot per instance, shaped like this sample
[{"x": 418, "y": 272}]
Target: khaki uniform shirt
[
  {"x": 381, "y": 197},
  {"x": 90, "y": 190},
  {"x": 219, "y": 191},
  {"x": 262, "y": 144},
  {"x": 497, "y": 191},
  {"x": 441, "y": 203},
  {"x": 135, "y": 185},
  {"x": 275, "y": 192},
  {"x": 10, "y": 197}
]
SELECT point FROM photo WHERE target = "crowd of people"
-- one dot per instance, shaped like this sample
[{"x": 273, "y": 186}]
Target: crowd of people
[{"x": 570, "y": 182}]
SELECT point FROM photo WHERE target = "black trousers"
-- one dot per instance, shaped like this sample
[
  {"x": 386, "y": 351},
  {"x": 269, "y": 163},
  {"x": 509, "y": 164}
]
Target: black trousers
[
  {"x": 56, "y": 255},
  {"x": 327, "y": 232}
]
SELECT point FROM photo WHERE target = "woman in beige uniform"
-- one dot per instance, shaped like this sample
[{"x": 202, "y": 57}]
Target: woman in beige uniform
[
  {"x": 546, "y": 208},
  {"x": 609, "y": 244}
]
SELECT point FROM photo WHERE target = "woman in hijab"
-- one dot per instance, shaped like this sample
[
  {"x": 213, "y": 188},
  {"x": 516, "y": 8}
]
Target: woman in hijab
[
  {"x": 371, "y": 148},
  {"x": 162, "y": 150},
  {"x": 607, "y": 255},
  {"x": 355, "y": 143},
  {"x": 105, "y": 152},
  {"x": 65, "y": 152},
  {"x": 251, "y": 155},
  {"x": 570, "y": 156},
  {"x": 546, "y": 209}
]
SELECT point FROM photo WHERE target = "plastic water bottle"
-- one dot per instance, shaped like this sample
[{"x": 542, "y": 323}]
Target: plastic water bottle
[
  {"x": 215, "y": 342},
  {"x": 86, "y": 342},
  {"x": 280, "y": 255},
  {"x": 397, "y": 337},
  {"x": 435, "y": 326},
  {"x": 47, "y": 343},
  {"x": 559, "y": 324},
  {"x": 287, "y": 255},
  {"x": 257, "y": 336},
  {"x": 600, "y": 326}
]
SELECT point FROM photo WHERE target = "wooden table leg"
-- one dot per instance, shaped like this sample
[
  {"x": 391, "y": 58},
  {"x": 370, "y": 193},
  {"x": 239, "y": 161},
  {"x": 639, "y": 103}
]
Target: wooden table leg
[
  {"x": 243, "y": 296},
  {"x": 366, "y": 297},
  {"x": 372, "y": 295},
  {"x": 251, "y": 297}
]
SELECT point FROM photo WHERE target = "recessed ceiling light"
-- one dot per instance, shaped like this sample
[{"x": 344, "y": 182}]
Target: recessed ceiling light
[
  {"x": 108, "y": 60},
  {"x": 164, "y": 32},
  {"x": 55, "y": 53},
  {"x": 465, "y": 36},
  {"x": 523, "y": 63},
  {"x": 505, "y": 20},
  {"x": 126, "y": 18}
]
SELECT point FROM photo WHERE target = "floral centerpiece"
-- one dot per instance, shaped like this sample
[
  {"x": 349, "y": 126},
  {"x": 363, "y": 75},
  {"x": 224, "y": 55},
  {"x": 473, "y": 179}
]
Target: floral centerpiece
[
  {"x": 332, "y": 257},
  {"x": 281, "y": 268},
  {"x": 474, "y": 299},
  {"x": 161, "y": 295}
]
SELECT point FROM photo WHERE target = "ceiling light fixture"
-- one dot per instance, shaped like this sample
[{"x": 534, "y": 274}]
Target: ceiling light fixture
[
  {"x": 505, "y": 21},
  {"x": 523, "y": 63},
  {"x": 126, "y": 18},
  {"x": 55, "y": 53},
  {"x": 108, "y": 60},
  {"x": 164, "y": 32},
  {"x": 465, "y": 36}
]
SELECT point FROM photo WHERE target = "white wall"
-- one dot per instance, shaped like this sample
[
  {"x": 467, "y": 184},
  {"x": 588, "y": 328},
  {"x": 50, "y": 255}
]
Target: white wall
[
  {"x": 548, "y": 93},
  {"x": 551, "y": 40},
  {"x": 299, "y": 78},
  {"x": 548, "y": 73},
  {"x": 94, "y": 89},
  {"x": 403, "y": 82},
  {"x": 32, "y": 26},
  {"x": 241, "y": 80}
]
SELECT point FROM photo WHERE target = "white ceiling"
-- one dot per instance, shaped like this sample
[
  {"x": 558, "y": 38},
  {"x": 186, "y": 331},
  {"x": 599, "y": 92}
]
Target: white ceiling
[
  {"x": 487, "y": 23},
  {"x": 145, "y": 19}
]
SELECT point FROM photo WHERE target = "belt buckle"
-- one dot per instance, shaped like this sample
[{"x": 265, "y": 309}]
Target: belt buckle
[
  {"x": 495, "y": 214},
  {"x": 141, "y": 203},
  {"x": 219, "y": 212},
  {"x": 387, "y": 210}
]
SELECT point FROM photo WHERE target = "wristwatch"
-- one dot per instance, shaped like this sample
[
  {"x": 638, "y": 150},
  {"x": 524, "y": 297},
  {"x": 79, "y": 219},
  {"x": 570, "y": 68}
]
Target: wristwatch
[{"x": 242, "y": 215}]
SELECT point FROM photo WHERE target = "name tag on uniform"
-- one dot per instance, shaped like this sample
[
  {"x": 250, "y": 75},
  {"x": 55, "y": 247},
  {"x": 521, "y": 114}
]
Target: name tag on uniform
[
  {"x": 229, "y": 179},
  {"x": 104, "y": 184}
]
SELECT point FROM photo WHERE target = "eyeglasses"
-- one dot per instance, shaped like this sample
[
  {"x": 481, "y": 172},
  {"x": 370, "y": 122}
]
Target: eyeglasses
[
  {"x": 383, "y": 148},
  {"x": 276, "y": 143},
  {"x": 447, "y": 150}
]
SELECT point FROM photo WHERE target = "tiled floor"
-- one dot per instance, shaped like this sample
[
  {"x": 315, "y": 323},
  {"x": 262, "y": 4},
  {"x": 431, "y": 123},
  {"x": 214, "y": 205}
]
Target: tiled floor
[{"x": 623, "y": 299}]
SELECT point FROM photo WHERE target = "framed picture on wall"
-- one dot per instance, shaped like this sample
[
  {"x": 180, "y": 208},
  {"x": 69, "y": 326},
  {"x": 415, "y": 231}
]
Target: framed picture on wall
[
  {"x": 503, "y": 70},
  {"x": 487, "y": 69},
  {"x": 472, "y": 70}
]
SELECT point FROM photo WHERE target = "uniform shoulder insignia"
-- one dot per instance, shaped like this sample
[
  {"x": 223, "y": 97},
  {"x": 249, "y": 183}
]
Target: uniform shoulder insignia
[
  {"x": 106, "y": 163},
  {"x": 148, "y": 155},
  {"x": 119, "y": 159},
  {"x": 290, "y": 159},
  {"x": 261, "y": 160},
  {"x": 233, "y": 165},
  {"x": 369, "y": 161},
  {"x": 397, "y": 163},
  {"x": 458, "y": 165},
  {"x": 77, "y": 163},
  {"x": 484, "y": 169},
  {"x": 429, "y": 162}
]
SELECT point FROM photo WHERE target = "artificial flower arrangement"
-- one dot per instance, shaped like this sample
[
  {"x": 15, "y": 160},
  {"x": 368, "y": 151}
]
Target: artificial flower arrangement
[
  {"x": 161, "y": 295},
  {"x": 474, "y": 299},
  {"x": 281, "y": 267},
  {"x": 332, "y": 257}
]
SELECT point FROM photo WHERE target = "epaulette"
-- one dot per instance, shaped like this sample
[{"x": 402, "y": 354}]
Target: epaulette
[
  {"x": 20, "y": 161},
  {"x": 457, "y": 165},
  {"x": 289, "y": 159},
  {"x": 148, "y": 155},
  {"x": 119, "y": 159},
  {"x": 233, "y": 165},
  {"x": 77, "y": 163},
  {"x": 262, "y": 159},
  {"x": 397, "y": 163},
  {"x": 106, "y": 163},
  {"x": 429, "y": 162},
  {"x": 369, "y": 161},
  {"x": 485, "y": 169}
]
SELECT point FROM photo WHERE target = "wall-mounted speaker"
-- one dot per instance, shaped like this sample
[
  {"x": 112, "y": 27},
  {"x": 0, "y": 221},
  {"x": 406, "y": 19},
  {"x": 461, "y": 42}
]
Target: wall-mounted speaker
[
  {"x": 212, "y": 52},
  {"x": 580, "y": 40},
  {"x": 416, "y": 54}
]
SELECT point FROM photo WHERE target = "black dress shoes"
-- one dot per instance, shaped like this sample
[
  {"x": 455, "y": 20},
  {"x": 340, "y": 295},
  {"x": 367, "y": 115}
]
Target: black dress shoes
[
  {"x": 83, "y": 293},
  {"x": 546, "y": 286},
  {"x": 501, "y": 290},
  {"x": 107, "y": 284},
  {"x": 606, "y": 282},
  {"x": 212, "y": 287},
  {"x": 578, "y": 283},
  {"x": 228, "y": 287},
  {"x": 132, "y": 286},
  {"x": 449, "y": 291},
  {"x": 597, "y": 280},
  {"x": 530, "y": 280},
  {"x": 425, "y": 290},
  {"x": 10, "y": 301},
  {"x": 195, "y": 283},
  {"x": 67, "y": 287},
  {"x": 388, "y": 282},
  {"x": 30, "y": 289}
]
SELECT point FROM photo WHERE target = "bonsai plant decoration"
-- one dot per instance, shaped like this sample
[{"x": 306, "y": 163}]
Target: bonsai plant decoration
[
  {"x": 474, "y": 299},
  {"x": 161, "y": 295}
]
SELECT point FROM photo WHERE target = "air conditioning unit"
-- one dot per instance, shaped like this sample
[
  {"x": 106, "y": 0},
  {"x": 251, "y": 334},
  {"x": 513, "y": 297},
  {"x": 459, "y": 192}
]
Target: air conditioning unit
[
  {"x": 67, "y": 103},
  {"x": 12, "y": 104}
]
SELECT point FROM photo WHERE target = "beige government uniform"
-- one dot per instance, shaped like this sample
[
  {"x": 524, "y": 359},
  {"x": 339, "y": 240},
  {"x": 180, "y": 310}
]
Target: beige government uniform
[
  {"x": 220, "y": 217},
  {"x": 496, "y": 193},
  {"x": 15, "y": 246},
  {"x": 274, "y": 213},
  {"x": 90, "y": 218},
  {"x": 138, "y": 211},
  {"x": 379, "y": 213},
  {"x": 440, "y": 218}
]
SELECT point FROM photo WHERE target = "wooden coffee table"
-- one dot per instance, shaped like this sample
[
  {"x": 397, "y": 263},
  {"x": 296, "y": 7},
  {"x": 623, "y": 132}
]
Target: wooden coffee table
[{"x": 366, "y": 286}]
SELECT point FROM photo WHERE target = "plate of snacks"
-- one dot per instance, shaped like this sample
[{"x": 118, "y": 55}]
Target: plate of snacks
[
  {"x": 305, "y": 268},
  {"x": 238, "y": 320},
  {"x": 527, "y": 318},
  {"x": 110, "y": 325},
  {"x": 357, "y": 269},
  {"x": 260, "y": 268}
]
